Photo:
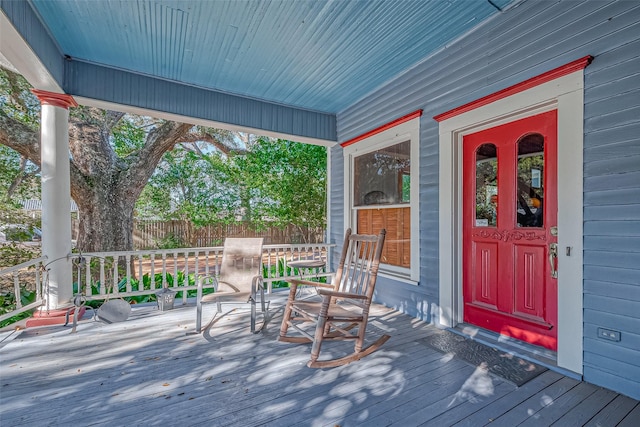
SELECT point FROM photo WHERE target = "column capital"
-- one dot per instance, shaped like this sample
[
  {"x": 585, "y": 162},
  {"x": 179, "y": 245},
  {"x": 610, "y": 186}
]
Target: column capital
[{"x": 56, "y": 99}]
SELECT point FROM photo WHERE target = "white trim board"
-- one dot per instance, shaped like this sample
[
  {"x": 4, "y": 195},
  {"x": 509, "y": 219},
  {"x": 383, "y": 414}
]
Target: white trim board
[
  {"x": 409, "y": 130},
  {"x": 566, "y": 95},
  {"x": 22, "y": 58}
]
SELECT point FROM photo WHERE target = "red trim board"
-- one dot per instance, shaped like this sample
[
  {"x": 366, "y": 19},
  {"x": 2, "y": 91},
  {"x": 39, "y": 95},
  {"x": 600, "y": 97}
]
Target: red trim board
[
  {"x": 563, "y": 70},
  {"x": 382, "y": 128}
]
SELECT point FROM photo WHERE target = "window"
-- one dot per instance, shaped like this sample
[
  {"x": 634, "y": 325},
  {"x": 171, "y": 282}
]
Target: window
[
  {"x": 382, "y": 188},
  {"x": 379, "y": 176}
]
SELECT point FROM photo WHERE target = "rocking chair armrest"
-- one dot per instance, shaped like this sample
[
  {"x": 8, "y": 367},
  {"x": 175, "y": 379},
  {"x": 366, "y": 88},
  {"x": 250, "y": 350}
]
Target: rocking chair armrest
[
  {"x": 300, "y": 282},
  {"x": 338, "y": 294}
]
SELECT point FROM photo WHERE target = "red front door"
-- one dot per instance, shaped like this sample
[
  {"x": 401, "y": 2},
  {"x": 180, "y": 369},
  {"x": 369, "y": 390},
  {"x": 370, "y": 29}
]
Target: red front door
[{"x": 510, "y": 228}]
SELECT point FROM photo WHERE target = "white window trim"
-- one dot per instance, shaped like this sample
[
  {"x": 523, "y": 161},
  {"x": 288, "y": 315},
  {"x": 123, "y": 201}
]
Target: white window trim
[
  {"x": 407, "y": 131},
  {"x": 566, "y": 95}
]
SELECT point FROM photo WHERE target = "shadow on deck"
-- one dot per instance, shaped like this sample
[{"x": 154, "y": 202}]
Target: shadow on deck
[{"x": 150, "y": 371}]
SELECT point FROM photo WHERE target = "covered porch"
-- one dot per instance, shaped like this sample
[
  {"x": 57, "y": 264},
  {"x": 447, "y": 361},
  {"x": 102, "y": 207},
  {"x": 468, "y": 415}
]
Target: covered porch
[
  {"x": 497, "y": 61},
  {"x": 150, "y": 371}
]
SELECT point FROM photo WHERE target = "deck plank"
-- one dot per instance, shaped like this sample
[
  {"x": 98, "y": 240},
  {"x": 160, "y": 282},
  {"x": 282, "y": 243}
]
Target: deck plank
[
  {"x": 408, "y": 353},
  {"x": 360, "y": 378},
  {"x": 505, "y": 403},
  {"x": 355, "y": 411},
  {"x": 551, "y": 413},
  {"x": 149, "y": 370},
  {"x": 523, "y": 409},
  {"x": 586, "y": 409},
  {"x": 632, "y": 419},
  {"x": 459, "y": 405},
  {"x": 614, "y": 412}
]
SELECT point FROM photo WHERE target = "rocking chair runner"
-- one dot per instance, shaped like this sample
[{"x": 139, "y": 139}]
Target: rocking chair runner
[
  {"x": 239, "y": 281},
  {"x": 345, "y": 303}
]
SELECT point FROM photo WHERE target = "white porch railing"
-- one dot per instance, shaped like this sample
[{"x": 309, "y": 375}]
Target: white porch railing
[
  {"x": 27, "y": 283},
  {"x": 104, "y": 275}
]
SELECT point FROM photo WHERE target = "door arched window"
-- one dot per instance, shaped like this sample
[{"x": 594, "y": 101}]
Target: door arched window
[
  {"x": 530, "y": 185},
  {"x": 486, "y": 185}
]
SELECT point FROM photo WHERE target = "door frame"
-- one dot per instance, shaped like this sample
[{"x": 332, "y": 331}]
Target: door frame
[{"x": 566, "y": 94}]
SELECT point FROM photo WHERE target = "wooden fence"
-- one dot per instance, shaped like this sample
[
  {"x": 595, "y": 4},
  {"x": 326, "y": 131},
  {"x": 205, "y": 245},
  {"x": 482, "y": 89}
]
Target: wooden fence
[{"x": 155, "y": 234}]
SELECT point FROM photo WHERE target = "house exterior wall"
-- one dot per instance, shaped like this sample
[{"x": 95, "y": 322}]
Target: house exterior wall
[
  {"x": 336, "y": 202},
  {"x": 525, "y": 41}
]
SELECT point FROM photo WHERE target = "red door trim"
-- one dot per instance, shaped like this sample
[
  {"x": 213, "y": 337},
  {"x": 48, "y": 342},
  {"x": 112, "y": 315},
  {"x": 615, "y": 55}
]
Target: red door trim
[
  {"x": 382, "y": 128},
  {"x": 579, "y": 64}
]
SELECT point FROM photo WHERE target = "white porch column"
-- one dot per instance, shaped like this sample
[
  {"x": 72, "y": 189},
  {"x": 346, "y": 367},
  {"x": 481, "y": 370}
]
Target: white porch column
[{"x": 56, "y": 194}]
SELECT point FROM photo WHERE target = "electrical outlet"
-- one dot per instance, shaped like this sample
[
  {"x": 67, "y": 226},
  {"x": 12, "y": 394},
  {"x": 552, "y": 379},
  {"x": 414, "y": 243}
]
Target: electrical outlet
[{"x": 609, "y": 334}]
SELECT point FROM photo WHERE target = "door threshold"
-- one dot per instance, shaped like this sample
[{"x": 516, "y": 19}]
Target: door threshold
[{"x": 533, "y": 353}]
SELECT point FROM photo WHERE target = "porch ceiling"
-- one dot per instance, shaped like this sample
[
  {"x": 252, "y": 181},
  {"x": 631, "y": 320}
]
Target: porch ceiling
[{"x": 319, "y": 55}]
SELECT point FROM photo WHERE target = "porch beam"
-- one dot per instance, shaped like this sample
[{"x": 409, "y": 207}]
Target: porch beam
[{"x": 183, "y": 102}]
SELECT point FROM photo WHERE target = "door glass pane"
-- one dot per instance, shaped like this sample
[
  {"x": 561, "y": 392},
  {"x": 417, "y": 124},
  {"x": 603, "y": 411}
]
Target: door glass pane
[
  {"x": 530, "y": 189},
  {"x": 486, "y": 186}
]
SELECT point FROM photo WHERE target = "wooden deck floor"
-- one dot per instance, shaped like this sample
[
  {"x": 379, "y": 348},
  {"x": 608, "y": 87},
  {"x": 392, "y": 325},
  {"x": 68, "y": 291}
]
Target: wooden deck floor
[{"x": 149, "y": 371}]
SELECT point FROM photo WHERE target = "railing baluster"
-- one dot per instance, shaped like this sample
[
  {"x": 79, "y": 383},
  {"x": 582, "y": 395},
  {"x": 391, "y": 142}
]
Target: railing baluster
[
  {"x": 115, "y": 289},
  {"x": 39, "y": 282},
  {"x": 268, "y": 264},
  {"x": 128, "y": 259},
  {"x": 87, "y": 278},
  {"x": 152, "y": 274},
  {"x": 103, "y": 286},
  {"x": 16, "y": 289},
  {"x": 176, "y": 283},
  {"x": 196, "y": 273},
  {"x": 164, "y": 270},
  {"x": 186, "y": 267},
  {"x": 140, "y": 275}
]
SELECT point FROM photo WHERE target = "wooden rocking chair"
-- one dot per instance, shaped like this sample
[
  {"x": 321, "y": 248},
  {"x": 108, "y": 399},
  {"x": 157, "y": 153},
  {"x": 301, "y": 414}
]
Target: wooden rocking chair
[
  {"x": 240, "y": 280},
  {"x": 345, "y": 303}
]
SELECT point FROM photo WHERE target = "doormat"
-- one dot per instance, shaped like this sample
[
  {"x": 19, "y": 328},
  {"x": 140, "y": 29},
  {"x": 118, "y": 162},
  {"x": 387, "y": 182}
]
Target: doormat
[{"x": 505, "y": 365}]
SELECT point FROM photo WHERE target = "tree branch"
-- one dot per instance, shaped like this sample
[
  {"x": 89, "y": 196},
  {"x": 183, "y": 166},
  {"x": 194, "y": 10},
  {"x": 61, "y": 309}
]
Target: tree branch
[
  {"x": 18, "y": 178},
  {"x": 20, "y": 137},
  {"x": 193, "y": 137},
  {"x": 143, "y": 163},
  {"x": 112, "y": 118}
]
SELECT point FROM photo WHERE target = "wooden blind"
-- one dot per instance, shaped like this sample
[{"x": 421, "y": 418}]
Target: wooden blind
[{"x": 397, "y": 246}]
